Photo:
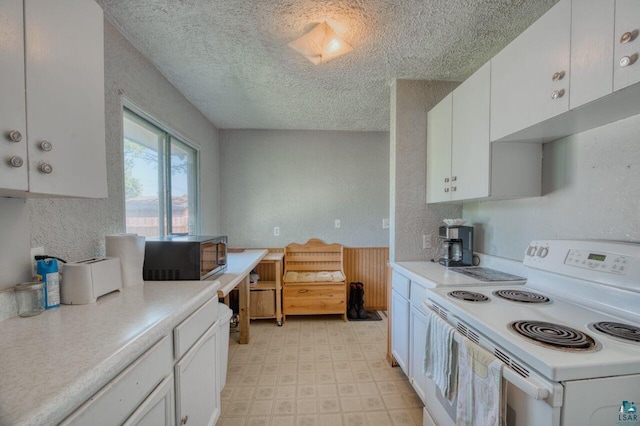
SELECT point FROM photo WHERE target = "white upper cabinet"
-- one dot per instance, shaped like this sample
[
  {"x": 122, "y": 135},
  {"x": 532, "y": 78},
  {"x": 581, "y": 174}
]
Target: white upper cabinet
[
  {"x": 627, "y": 44},
  {"x": 462, "y": 164},
  {"x": 530, "y": 77},
  {"x": 63, "y": 148},
  {"x": 13, "y": 126},
  {"x": 470, "y": 148},
  {"x": 439, "y": 122},
  {"x": 591, "y": 50}
]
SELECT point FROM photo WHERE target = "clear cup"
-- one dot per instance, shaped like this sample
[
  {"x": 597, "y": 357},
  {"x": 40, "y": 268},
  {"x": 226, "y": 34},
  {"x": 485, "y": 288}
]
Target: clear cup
[{"x": 30, "y": 298}]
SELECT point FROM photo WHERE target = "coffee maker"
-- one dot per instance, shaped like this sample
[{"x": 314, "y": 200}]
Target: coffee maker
[{"x": 456, "y": 245}]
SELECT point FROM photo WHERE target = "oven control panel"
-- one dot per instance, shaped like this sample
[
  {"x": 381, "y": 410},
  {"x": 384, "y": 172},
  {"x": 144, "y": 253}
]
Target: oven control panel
[{"x": 599, "y": 261}]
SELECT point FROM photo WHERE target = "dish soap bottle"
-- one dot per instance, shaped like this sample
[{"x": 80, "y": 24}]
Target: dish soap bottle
[{"x": 47, "y": 270}]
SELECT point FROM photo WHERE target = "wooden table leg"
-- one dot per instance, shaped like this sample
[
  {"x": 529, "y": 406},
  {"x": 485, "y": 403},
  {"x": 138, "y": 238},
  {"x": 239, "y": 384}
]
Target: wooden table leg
[
  {"x": 244, "y": 313},
  {"x": 278, "y": 268}
]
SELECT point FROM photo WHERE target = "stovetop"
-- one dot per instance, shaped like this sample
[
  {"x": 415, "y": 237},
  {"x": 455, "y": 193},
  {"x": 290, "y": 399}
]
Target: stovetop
[
  {"x": 572, "y": 284},
  {"x": 486, "y": 274}
]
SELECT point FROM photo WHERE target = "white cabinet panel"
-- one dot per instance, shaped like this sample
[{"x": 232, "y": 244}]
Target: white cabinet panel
[
  {"x": 418, "y": 343},
  {"x": 117, "y": 400},
  {"x": 197, "y": 394},
  {"x": 470, "y": 148},
  {"x": 400, "y": 330},
  {"x": 627, "y": 20},
  {"x": 12, "y": 100},
  {"x": 522, "y": 85},
  {"x": 65, "y": 97},
  {"x": 439, "y": 121},
  {"x": 157, "y": 409},
  {"x": 591, "y": 50}
]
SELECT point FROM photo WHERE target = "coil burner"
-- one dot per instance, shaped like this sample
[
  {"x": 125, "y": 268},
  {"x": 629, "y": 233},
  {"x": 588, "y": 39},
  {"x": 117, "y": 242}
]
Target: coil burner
[
  {"x": 554, "y": 336},
  {"x": 627, "y": 332},
  {"x": 468, "y": 296},
  {"x": 522, "y": 296}
]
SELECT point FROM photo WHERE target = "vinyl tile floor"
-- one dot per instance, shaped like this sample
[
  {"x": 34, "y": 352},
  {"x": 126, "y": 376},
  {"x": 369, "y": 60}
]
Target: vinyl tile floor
[{"x": 316, "y": 371}]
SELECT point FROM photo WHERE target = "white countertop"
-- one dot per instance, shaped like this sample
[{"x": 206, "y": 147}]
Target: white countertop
[
  {"x": 53, "y": 362},
  {"x": 239, "y": 265},
  {"x": 433, "y": 274}
]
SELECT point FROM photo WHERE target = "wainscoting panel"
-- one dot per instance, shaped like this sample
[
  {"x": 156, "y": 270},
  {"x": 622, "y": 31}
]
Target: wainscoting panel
[{"x": 368, "y": 265}]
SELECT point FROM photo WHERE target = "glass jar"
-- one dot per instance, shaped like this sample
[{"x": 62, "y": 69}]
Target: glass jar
[{"x": 30, "y": 298}]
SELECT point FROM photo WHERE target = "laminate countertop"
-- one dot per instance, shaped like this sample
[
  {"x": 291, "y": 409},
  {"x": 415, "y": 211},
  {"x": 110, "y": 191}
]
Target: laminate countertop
[{"x": 51, "y": 363}]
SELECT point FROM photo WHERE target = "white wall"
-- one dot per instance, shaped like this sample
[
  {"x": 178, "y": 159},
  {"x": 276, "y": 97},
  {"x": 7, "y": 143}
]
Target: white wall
[
  {"x": 75, "y": 228},
  {"x": 301, "y": 181},
  {"x": 411, "y": 218},
  {"x": 591, "y": 187}
]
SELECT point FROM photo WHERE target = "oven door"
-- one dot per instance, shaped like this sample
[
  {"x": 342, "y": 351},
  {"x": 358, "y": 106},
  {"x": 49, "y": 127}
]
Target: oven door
[{"x": 531, "y": 400}]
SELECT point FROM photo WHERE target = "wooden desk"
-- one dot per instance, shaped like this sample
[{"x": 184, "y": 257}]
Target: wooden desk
[{"x": 239, "y": 266}]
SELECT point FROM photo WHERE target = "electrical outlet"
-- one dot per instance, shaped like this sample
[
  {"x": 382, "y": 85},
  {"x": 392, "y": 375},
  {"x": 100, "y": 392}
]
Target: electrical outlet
[
  {"x": 426, "y": 241},
  {"x": 35, "y": 251},
  {"x": 276, "y": 231},
  {"x": 385, "y": 223},
  {"x": 338, "y": 224}
]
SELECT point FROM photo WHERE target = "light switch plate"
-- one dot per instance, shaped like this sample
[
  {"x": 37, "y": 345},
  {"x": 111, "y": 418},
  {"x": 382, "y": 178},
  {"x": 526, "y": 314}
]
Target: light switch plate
[
  {"x": 276, "y": 231},
  {"x": 338, "y": 224},
  {"x": 385, "y": 223}
]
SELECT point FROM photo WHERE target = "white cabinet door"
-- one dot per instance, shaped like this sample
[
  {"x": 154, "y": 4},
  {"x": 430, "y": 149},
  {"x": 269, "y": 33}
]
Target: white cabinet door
[
  {"x": 157, "y": 409},
  {"x": 12, "y": 102},
  {"x": 626, "y": 61},
  {"x": 197, "y": 394},
  {"x": 400, "y": 330},
  {"x": 418, "y": 343},
  {"x": 439, "y": 151},
  {"x": 591, "y": 50},
  {"x": 522, "y": 85},
  {"x": 470, "y": 148},
  {"x": 64, "y": 44}
]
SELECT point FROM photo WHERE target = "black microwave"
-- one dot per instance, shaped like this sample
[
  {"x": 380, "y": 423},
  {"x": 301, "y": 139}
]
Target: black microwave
[{"x": 184, "y": 257}]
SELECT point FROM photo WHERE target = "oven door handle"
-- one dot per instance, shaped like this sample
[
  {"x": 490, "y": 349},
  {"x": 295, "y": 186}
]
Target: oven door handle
[{"x": 525, "y": 384}]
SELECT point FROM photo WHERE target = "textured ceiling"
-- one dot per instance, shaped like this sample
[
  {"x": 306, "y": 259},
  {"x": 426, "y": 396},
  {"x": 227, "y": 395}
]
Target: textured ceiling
[{"x": 231, "y": 60}]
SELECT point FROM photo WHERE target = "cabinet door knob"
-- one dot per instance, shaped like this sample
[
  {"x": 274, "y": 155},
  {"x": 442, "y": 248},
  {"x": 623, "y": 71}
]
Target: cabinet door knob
[
  {"x": 454, "y": 188},
  {"x": 446, "y": 190},
  {"x": 45, "y": 168},
  {"x": 557, "y": 76},
  {"x": 46, "y": 146},
  {"x": 16, "y": 161},
  {"x": 625, "y": 61},
  {"x": 628, "y": 36},
  {"x": 184, "y": 420},
  {"x": 15, "y": 136},
  {"x": 446, "y": 180},
  {"x": 557, "y": 94},
  {"x": 454, "y": 178}
]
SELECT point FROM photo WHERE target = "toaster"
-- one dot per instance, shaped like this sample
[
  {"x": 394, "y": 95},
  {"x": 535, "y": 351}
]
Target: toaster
[{"x": 84, "y": 281}]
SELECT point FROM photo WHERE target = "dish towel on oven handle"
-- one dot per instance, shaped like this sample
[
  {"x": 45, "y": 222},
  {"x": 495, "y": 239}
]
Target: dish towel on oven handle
[
  {"x": 441, "y": 360},
  {"x": 481, "y": 395}
]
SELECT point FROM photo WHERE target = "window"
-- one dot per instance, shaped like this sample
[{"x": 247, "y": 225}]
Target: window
[{"x": 160, "y": 180}]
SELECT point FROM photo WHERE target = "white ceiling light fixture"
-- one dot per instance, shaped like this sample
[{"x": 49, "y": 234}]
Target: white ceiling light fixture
[{"x": 321, "y": 44}]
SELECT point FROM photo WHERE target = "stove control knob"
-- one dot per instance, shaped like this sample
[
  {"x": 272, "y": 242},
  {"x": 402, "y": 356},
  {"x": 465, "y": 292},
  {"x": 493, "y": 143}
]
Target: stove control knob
[
  {"x": 542, "y": 252},
  {"x": 531, "y": 251}
]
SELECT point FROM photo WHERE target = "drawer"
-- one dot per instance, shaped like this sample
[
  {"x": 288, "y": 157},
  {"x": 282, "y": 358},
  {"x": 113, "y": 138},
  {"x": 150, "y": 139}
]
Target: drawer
[
  {"x": 190, "y": 330},
  {"x": 314, "y": 299},
  {"x": 115, "y": 402},
  {"x": 401, "y": 284},
  {"x": 418, "y": 295}
]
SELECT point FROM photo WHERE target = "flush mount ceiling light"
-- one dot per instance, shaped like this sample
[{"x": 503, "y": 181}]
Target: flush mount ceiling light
[{"x": 321, "y": 44}]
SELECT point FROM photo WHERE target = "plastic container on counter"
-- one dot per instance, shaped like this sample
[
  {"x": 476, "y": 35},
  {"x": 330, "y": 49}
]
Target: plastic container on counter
[
  {"x": 48, "y": 270},
  {"x": 30, "y": 298}
]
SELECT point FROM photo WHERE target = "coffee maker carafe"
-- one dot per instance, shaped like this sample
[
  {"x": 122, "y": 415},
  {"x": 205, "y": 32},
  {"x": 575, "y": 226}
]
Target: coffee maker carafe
[{"x": 456, "y": 245}]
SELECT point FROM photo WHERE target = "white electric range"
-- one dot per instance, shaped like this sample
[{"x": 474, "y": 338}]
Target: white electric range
[{"x": 562, "y": 365}]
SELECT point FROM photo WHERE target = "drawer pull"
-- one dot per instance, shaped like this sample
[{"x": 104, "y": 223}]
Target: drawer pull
[
  {"x": 557, "y": 76},
  {"x": 185, "y": 420},
  {"x": 15, "y": 136},
  {"x": 628, "y": 36},
  {"x": 557, "y": 94},
  {"x": 304, "y": 290}
]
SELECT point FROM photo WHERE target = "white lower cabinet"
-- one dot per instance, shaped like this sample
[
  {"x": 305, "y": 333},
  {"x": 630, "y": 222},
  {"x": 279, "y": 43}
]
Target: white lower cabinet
[
  {"x": 400, "y": 320},
  {"x": 173, "y": 382},
  {"x": 418, "y": 334},
  {"x": 197, "y": 396},
  {"x": 157, "y": 409}
]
